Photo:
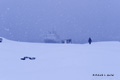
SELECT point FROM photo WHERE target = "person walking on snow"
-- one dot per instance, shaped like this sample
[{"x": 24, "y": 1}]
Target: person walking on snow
[{"x": 89, "y": 40}]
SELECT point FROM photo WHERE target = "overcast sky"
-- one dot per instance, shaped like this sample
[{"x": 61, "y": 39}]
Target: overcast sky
[{"x": 30, "y": 20}]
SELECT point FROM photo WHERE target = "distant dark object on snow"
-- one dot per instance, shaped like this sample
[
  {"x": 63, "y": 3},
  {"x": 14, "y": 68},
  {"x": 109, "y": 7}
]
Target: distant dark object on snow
[
  {"x": 67, "y": 41},
  {"x": 1, "y": 39},
  {"x": 31, "y": 58},
  {"x": 89, "y": 40},
  {"x": 23, "y": 58}
]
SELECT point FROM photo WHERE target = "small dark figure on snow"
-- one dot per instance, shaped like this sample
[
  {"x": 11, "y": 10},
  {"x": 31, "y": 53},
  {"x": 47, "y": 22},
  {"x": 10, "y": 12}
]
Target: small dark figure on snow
[
  {"x": 31, "y": 58},
  {"x": 1, "y": 40},
  {"x": 89, "y": 40},
  {"x": 67, "y": 41}
]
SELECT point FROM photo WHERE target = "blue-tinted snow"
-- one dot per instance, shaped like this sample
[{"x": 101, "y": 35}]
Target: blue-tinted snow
[{"x": 59, "y": 61}]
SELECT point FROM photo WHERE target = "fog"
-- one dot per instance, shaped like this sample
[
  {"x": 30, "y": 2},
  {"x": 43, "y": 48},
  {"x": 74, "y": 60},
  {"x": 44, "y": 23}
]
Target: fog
[{"x": 31, "y": 20}]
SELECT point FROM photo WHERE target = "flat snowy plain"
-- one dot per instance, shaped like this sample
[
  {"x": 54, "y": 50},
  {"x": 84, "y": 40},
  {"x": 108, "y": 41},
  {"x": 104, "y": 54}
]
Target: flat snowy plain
[{"x": 59, "y": 61}]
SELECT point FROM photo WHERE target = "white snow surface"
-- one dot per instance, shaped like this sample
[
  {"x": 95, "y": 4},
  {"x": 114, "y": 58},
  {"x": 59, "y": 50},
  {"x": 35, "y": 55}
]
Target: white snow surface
[{"x": 59, "y": 61}]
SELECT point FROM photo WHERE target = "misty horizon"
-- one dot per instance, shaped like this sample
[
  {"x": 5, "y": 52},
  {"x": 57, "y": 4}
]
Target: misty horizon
[{"x": 31, "y": 20}]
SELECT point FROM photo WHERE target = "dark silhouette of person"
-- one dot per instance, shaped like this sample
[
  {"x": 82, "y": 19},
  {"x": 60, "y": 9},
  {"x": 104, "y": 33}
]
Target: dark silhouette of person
[
  {"x": 89, "y": 40},
  {"x": 1, "y": 39}
]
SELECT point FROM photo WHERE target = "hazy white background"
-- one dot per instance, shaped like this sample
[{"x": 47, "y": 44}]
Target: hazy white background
[{"x": 30, "y": 20}]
